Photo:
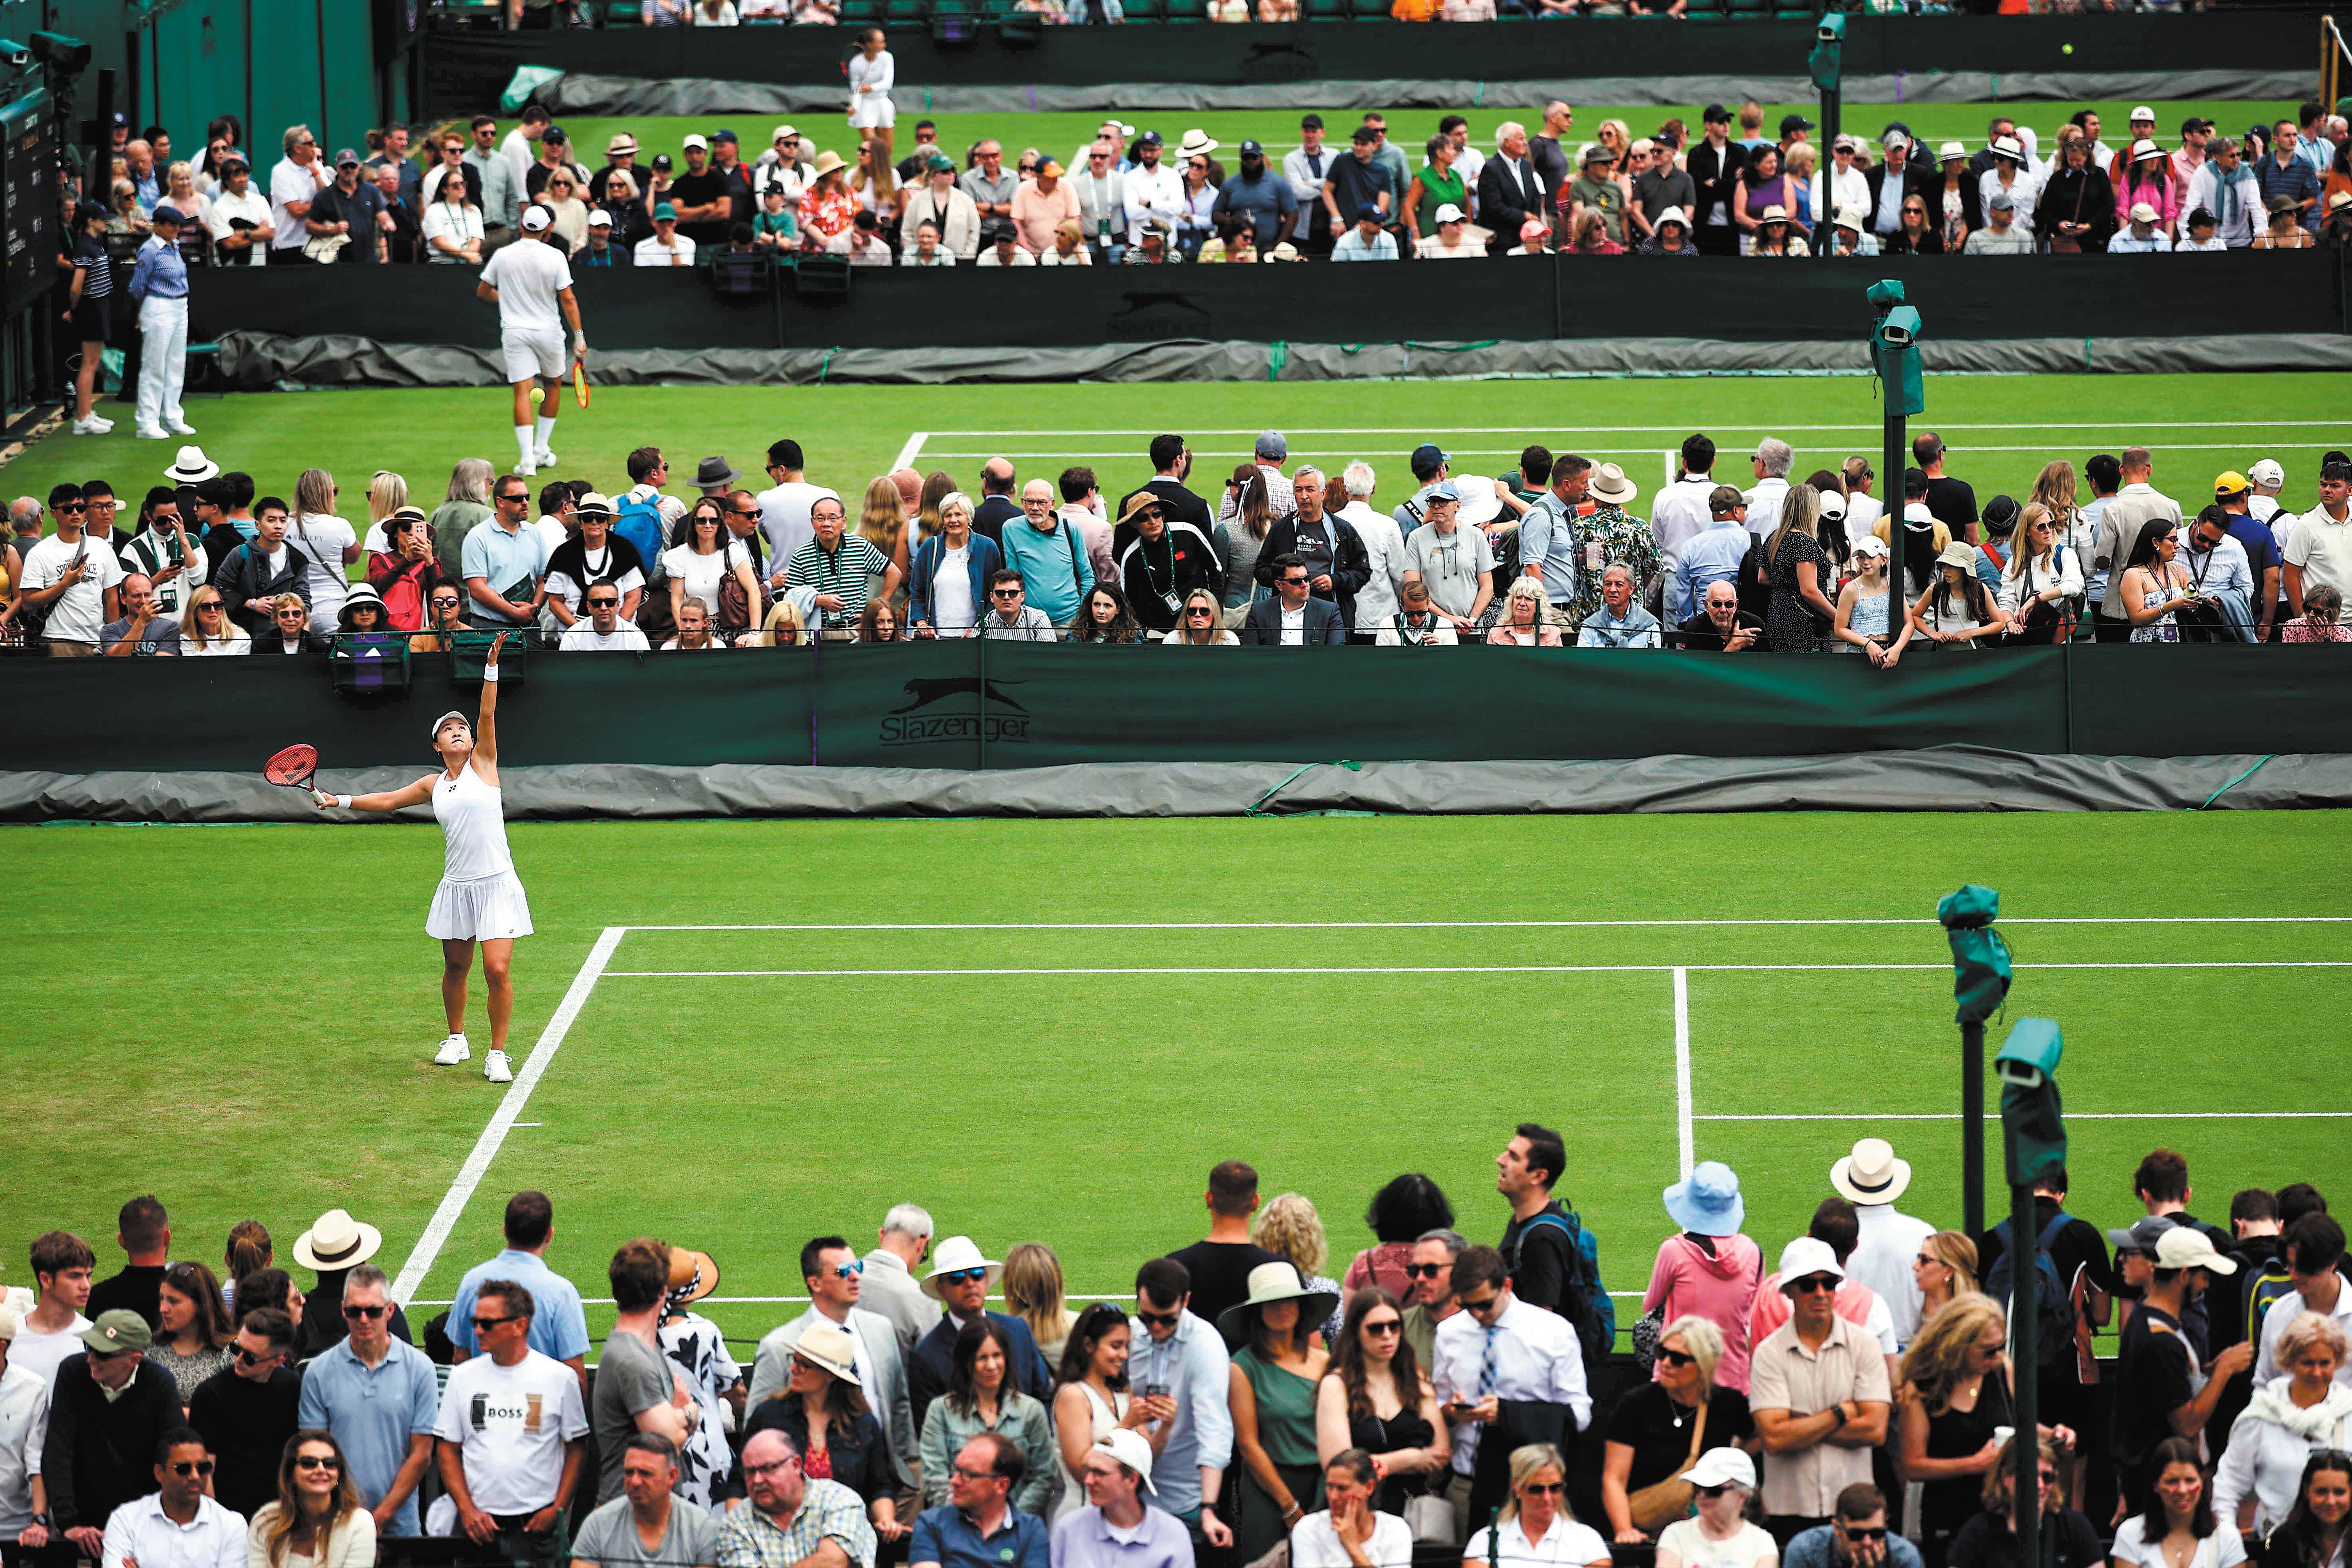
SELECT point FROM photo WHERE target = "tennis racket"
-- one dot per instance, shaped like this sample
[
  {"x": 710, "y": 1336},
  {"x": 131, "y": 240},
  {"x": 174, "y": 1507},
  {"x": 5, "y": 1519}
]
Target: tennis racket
[
  {"x": 580, "y": 382},
  {"x": 293, "y": 768}
]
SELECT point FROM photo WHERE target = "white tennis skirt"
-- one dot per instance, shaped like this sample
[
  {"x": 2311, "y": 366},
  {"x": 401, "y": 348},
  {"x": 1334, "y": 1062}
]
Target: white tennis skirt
[
  {"x": 873, "y": 110},
  {"x": 479, "y": 909}
]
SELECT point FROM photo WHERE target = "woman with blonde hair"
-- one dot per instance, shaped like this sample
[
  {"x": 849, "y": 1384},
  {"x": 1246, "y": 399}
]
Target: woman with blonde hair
[
  {"x": 1032, "y": 1292},
  {"x": 328, "y": 543},
  {"x": 1800, "y": 608},
  {"x": 207, "y": 632},
  {"x": 1069, "y": 248},
  {"x": 1289, "y": 1227},
  {"x": 882, "y": 523},
  {"x": 1197, "y": 624},
  {"x": 317, "y": 1520},
  {"x": 1536, "y": 1512},
  {"x": 2288, "y": 1419},
  {"x": 180, "y": 194},
  {"x": 1952, "y": 1395},
  {"x": 2044, "y": 579},
  {"x": 1990, "y": 1539},
  {"x": 1523, "y": 618},
  {"x": 784, "y": 626},
  {"x": 387, "y": 493},
  {"x": 1945, "y": 1268},
  {"x": 288, "y": 631},
  {"x": 1659, "y": 1429}
]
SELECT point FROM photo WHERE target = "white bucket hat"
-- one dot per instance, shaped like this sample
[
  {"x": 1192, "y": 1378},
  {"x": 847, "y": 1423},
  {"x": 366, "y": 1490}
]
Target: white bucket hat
[
  {"x": 1133, "y": 1449},
  {"x": 336, "y": 1241},
  {"x": 1871, "y": 1174},
  {"x": 1804, "y": 1257},
  {"x": 957, "y": 1255}
]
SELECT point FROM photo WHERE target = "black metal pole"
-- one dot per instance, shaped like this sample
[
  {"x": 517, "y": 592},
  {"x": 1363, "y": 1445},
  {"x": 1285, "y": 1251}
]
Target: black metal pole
[
  {"x": 1972, "y": 1106},
  {"x": 2024, "y": 1230},
  {"x": 1824, "y": 167},
  {"x": 1898, "y": 605}
]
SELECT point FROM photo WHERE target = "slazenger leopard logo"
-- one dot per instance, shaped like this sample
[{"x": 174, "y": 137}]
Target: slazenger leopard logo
[{"x": 907, "y": 726}]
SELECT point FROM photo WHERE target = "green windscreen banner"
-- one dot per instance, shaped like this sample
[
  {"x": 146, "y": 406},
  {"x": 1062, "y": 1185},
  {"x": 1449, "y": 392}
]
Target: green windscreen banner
[{"x": 991, "y": 705}]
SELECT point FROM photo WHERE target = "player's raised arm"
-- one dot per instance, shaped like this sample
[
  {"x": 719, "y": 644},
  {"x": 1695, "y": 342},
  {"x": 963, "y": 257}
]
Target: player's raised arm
[{"x": 485, "y": 733}]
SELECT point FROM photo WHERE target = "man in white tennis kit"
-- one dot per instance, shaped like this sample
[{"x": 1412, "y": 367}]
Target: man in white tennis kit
[
  {"x": 481, "y": 898},
  {"x": 531, "y": 283}
]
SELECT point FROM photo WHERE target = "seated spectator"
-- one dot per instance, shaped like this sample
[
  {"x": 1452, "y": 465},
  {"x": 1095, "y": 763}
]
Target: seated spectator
[
  {"x": 1367, "y": 240},
  {"x": 1990, "y": 1539},
  {"x": 290, "y": 632},
  {"x": 1069, "y": 249},
  {"x": 1009, "y": 617},
  {"x": 1722, "y": 627},
  {"x": 206, "y": 631},
  {"x": 1857, "y": 1537},
  {"x": 861, "y": 242},
  {"x": 444, "y": 613},
  {"x": 926, "y": 251},
  {"x": 2199, "y": 233},
  {"x": 2002, "y": 233},
  {"x": 317, "y": 1517},
  {"x": 1293, "y": 616},
  {"x": 696, "y": 633},
  {"x": 2140, "y": 236},
  {"x": 1418, "y": 622},
  {"x": 1646, "y": 1482},
  {"x": 143, "y": 630},
  {"x": 1773, "y": 237},
  {"x": 1155, "y": 244},
  {"x": 602, "y": 631},
  {"x": 1199, "y": 625},
  {"x": 979, "y": 1526},
  {"x": 790, "y": 1515},
  {"x": 1670, "y": 236},
  {"x": 665, "y": 246},
  {"x": 1447, "y": 241},
  {"x": 1619, "y": 622},
  {"x": 1104, "y": 617},
  {"x": 1863, "y": 608},
  {"x": 1112, "y": 1523},
  {"x": 179, "y": 1522},
  {"x": 999, "y": 248},
  {"x": 1349, "y": 1531},
  {"x": 1717, "y": 1534},
  {"x": 879, "y": 623},
  {"x": 1592, "y": 236},
  {"x": 1850, "y": 234},
  {"x": 2286, "y": 231},
  {"x": 2322, "y": 618},
  {"x": 1535, "y": 240}
]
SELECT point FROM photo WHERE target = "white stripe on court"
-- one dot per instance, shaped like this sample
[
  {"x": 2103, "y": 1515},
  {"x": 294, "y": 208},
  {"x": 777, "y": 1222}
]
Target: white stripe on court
[
  {"x": 2071, "y": 1116},
  {"x": 502, "y": 1120},
  {"x": 908, "y": 453},
  {"x": 1683, "y": 1069},
  {"x": 1450, "y": 969},
  {"x": 2127, "y": 425},
  {"x": 1546, "y": 925},
  {"x": 1237, "y": 454},
  {"x": 1128, "y": 1295}
]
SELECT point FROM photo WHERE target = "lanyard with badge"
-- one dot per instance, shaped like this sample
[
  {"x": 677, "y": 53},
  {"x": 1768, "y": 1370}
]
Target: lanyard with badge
[{"x": 1168, "y": 596}]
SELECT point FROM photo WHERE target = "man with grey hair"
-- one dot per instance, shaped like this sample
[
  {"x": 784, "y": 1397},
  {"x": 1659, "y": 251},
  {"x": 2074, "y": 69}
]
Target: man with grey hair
[
  {"x": 25, "y": 522},
  {"x": 902, "y": 1244},
  {"x": 1384, "y": 540},
  {"x": 1431, "y": 1297},
  {"x": 1271, "y": 449},
  {"x": 1773, "y": 459}
]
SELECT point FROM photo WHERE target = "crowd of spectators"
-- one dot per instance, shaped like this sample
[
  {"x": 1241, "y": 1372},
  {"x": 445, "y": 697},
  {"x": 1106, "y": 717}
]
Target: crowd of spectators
[
  {"x": 1852, "y": 1407},
  {"x": 1134, "y": 196},
  {"x": 1554, "y": 553}
]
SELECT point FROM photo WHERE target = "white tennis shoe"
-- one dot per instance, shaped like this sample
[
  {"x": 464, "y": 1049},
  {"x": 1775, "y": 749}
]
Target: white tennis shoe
[
  {"x": 495, "y": 1069},
  {"x": 544, "y": 457},
  {"x": 454, "y": 1049}
]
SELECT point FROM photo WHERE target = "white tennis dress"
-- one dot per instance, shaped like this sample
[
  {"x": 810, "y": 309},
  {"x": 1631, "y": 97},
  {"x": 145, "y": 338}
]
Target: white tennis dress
[{"x": 480, "y": 898}]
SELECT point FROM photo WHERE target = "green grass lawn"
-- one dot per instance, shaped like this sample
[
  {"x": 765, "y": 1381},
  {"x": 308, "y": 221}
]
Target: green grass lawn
[
  {"x": 265, "y": 1053},
  {"x": 1059, "y": 134},
  {"x": 2001, "y": 429}
]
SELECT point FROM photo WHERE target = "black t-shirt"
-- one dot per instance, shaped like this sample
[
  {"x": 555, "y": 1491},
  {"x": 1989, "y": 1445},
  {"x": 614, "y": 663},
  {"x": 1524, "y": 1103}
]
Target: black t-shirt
[
  {"x": 534, "y": 180},
  {"x": 1698, "y": 632},
  {"x": 245, "y": 1425},
  {"x": 691, "y": 190},
  {"x": 1538, "y": 1257},
  {"x": 358, "y": 207},
  {"x": 2152, "y": 1364},
  {"x": 2068, "y": 1540},
  {"x": 1646, "y": 1421},
  {"x": 1314, "y": 546},
  {"x": 1220, "y": 1271},
  {"x": 138, "y": 1288},
  {"x": 1952, "y": 503}
]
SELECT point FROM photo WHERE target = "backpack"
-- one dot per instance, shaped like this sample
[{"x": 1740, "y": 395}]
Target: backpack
[
  {"x": 2264, "y": 1288},
  {"x": 640, "y": 522},
  {"x": 1585, "y": 1305},
  {"x": 2054, "y": 1308}
]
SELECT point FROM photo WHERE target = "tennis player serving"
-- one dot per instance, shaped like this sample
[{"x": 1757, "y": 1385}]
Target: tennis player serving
[{"x": 481, "y": 898}]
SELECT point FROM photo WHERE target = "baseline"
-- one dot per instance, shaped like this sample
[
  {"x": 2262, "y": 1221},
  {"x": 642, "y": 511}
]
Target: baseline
[
  {"x": 1546, "y": 925},
  {"x": 1452, "y": 969},
  {"x": 486, "y": 1148}
]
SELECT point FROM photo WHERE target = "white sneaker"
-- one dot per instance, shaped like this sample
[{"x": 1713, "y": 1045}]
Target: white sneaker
[
  {"x": 454, "y": 1049},
  {"x": 544, "y": 459},
  {"x": 495, "y": 1069},
  {"x": 88, "y": 427},
  {"x": 152, "y": 435},
  {"x": 182, "y": 428},
  {"x": 525, "y": 470},
  {"x": 99, "y": 421}
]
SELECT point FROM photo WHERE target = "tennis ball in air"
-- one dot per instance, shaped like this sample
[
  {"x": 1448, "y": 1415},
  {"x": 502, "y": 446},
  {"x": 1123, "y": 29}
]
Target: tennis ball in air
[{"x": 2065, "y": 49}]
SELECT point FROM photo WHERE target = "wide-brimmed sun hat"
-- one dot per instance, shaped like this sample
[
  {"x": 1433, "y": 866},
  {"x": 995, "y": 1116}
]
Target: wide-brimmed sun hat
[
  {"x": 1709, "y": 1202},
  {"x": 957, "y": 1255},
  {"x": 1271, "y": 1284},
  {"x": 1871, "y": 1175},
  {"x": 830, "y": 1349},
  {"x": 1609, "y": 484},
  {"x": 337, "y": 1240}
]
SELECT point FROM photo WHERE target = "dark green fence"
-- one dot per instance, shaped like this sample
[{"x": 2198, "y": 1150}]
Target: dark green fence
[{"x": 974, "y": 705}]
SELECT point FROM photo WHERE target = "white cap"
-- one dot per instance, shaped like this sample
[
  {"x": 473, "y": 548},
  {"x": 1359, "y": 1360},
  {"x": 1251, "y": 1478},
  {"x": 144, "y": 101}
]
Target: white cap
[
  {"x": 1670, "y": 215},
  {"x": 1723, "y": 1467},
  {"x": 2142, "y": 212},
  {"x": 1130, "y": 1448},
  {"x": 599, "y": 218},
  {"x": 695, "y": 140},
  {"x": 781, "y": 131},
  {"x": 1834, "y": 505},
  {"x": 445, "y": 718},
  {"x": 2186, "y": 1247},
  {"x": 2267, "y": 473},
  {"x": 1895, "y": 139},
  {"x": 1869, "y": 545},
  {"x": 2142, "y": 112},
  {"x": 1804, "y": 1257},
  {"x": 535, "y": 220},
  {"x": 1449, "y": 212}
]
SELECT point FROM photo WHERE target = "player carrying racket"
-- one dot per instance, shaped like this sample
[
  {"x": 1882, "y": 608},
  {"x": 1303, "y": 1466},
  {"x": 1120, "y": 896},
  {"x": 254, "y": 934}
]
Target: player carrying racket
[
  {"x": 481, "y": 898},
  {"x": 531, "y": 283}
]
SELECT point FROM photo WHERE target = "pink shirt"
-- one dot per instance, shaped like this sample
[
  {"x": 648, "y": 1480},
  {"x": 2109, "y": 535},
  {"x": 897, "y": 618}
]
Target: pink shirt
[
  {"x": 1382, "y": 1266},
  {"x": 1720, "y": 1288},
  {"x": 1037, "y": 214}
]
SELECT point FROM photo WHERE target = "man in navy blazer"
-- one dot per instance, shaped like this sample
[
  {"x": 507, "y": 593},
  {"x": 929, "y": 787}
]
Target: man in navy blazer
[
  {"x": 959, "y": 1281},
  {"x": 1316, "y": 620}
]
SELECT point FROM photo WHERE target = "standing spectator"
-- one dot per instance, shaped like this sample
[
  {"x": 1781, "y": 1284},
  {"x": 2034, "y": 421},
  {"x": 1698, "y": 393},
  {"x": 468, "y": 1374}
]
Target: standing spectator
[
  {"x": 145, "y": 1234},
  {"x": 2288, "y": 1418},
  {"x": 511, "y": 1429},
  {"x": 179, "y": 1524},
  {"x": 1356, "y": 182},
  {"x": 1713, "y": 555},
  {"x": 1954, "y": 1403},
  {"x": 838, "y": 567},
  {"x": 72, "y": 577},
  {"x": 1182, "y": 1377},
  {"x": 1543, "y": 1246},
  {"x": 980, "y": 1401},
  {"x": 294, "y": 184},
  {"x": 1647, "y": 1462},
  {"x": 2319, "y": 551},
  {"x": 379, "y": 1397},
  {"x": 693, "y": 1344},
  {"x": 1659, "y": 185},
  {"x": 1709, "y": 1270},
  {"x": 2315, "y": 1255},
  {"x": 635, "y": 1389},
  {"x": 1819, "y": 1393},
  {"x": 164, "y": 552},
  {"x": 1453, "y": 564},
  {"x": 24, "y": 1421},
  {"x": 1716, "y": 166},
  {"x": 1378, "y": 1398},
  {"x": 1431, "y": 1272},
  {"x": 1871, "y": 1178},
  {"x": 1094, "y": 1396},
  {"x": 1383, "y": 543},
  {"x": 2078, "y": 209},
  {"x": 647, "y": 1524},
  {"x": 1717, "y": 1534},
  {"x": 2224, "y": 186},
  {"x": 959, "y": 1281},
  {"x": 1338, "y": 564},
  {"x": 192, "y": 1331},
  {"x": 1548, "y": 545},
  {"x": 2119, "y": 523},
  {"x": 954, "y": 570},
  {"x": 1273, "y": 1384},
  {"x": 1160, "y": 563},
  {"x": 558, "y": 1324},
  {"x": 1511, "y": 190},
  {"x": 1400, "y": 1214},
  {"x": 1048, "y": 554},
  {"x": 1218, "y": 1267},
  {"x": 837, "y": 1282},
  {"x": 2283, "y": 173},
  {"x": 2167, "y": 1389},
  {"x": 1507, "y": 1374},
  {"x": 108, "y": 1411},
  {"x": 791, "y": 1515},
  {"x": 2147, "y": 181},
  {"x": 328, "y": 546},
  {"x": 1799, "y": 611},
  {"x": 248, "y": 1410}
]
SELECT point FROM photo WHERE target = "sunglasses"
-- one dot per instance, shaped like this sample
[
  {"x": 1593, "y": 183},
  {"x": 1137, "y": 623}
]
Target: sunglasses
[
  {"x": 1195, "y": 610},
  {"x": 290, "y": 614},
  {"x": 1859, "y": 1536},
  {"x": 317, "y": 1462},
  {"x": 966, "y": 1276},
  {"x": 1676, "y": 1358},
  {"x": 193, "y": 1468},
  {"x": 484, "y": 1325},
  {"x": 1424, "y": 1270},
  {"x": 441, "y": 604},
  {"x": 247, "y": 1358},
  {"x": 1482, "y": 1304},
  {"x": 1715, "y": 1490},
  {"x": 593, "y": 604},
  {"x": 1386, "y": 1326},
  {"x": 365, "y": 1314},
  {"x": 1159, "y": 1319},
  {"x": 852, "y": 1270},
  {"x": 1296, "y": 581},
  {"x": 1544, "y": 1488},
  {"x": 216, "y": 604},
  {"x": 1812, "y": 1284},
  {"x": 72, "y": 506},
  {"x": 994, "y": 594}
]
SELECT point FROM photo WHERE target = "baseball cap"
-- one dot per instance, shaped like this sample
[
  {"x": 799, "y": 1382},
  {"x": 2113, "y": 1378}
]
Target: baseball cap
[
  {"x": 2186, "y": 1247},
  {"x": 1869, "y": 545},
  {"x": 1449, "y": 212},
  {"x": 781, "y": 131},
  {"x": 2267, "y": 473},
  {"x": 2232, "y": 483},
  {"x": 346, "y": 158},
  {"x": 1896, "y": 139},
  {"x": 1250, "y": 148},
  {"x": 1364, "y": 135},
  {"x": 1846, "y": 143},
  {"x": 1723, "y": 1467},
  {"x": 2142, "y": 1233},
  {"x": 694, "y": 140},
  {"x": 2002, "y": 202},
  {"x": 599, "y": 218},
  {"x": 2142, "y": 212},
  {"x": 1310, "y": 123},
  {"x": 554, "y": 133},
  {"x": 1443, "y": 490},
  {"x": 2142, "y": 112},
  {"x": 165, "y": 214},
  {"x": 1051, "y": 168},
  {"x": 535, "y": 220},
  {"x": 1133, "y": 1449},
  {"x": 1148, "y": 139},
  {"x": 116, "y": 1332},
  {"x": 1427, "y": 459},
  {"x": 1794, "y": 122},
  {"x": 722, "y": 134},
  {"x": 1370, "y": 212},
  {"x": 663, "y": 210}
]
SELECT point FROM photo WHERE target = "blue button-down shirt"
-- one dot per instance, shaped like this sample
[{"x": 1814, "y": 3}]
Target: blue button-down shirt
[
  {"x": 1547, "y": 540},
  {"x": 373, "y": 1412},
  {"x": 558, "y": 1325},
  {"x": 944, "y": 1536},
  {"x": 1713, "y": 555},
  {"x": 162, "y": 271},
  {"x": 1194, "y": 1369},
  {"x": 1083, "y": 1539}
]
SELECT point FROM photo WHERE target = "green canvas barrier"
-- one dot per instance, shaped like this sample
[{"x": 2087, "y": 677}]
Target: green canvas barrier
[{"x": 971, "y": 705}]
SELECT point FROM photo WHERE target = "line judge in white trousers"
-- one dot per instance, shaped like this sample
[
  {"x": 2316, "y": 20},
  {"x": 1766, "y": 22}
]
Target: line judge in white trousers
[{"x": 159, "y": 284}]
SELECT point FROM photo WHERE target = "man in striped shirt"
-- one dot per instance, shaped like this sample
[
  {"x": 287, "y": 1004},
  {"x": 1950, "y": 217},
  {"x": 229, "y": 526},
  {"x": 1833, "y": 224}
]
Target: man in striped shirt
[{"x": 838, "y": 566}]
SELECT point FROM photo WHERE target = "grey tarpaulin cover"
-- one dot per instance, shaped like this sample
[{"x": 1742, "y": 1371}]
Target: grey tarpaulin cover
[
  {"x": 1949, "y": 779},
  {"x": 262, "y": 359},
  {"x": 578, "y": 92}
]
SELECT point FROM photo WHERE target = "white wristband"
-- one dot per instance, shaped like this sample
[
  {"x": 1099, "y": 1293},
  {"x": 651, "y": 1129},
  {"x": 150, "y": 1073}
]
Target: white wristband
[
  {"x": 345, "y": 801},
  {"x": 489, "y": 675}
]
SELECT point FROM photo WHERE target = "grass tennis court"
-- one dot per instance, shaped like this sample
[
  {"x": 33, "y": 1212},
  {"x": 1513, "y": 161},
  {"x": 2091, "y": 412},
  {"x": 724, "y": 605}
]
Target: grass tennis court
[
  {"x": 2000, "y": 429},
  {"x": 1049, "y": 1030}
]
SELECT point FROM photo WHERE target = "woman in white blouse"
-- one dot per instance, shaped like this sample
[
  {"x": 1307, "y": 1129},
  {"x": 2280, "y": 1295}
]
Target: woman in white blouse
[
  {"x": 703, "y": 557},
  {"x": 1536, "y": 1526},
  {"x": 1718, "y": 1536},
  {"x": 2044, "y": 576},
  {"x": 453, "y": 223},
  {"x": 871, "y": 73},
  {"x": 206, "y": 632},
  {"x": 2288, "y": 1419},
  {"x": 317, "y": 1520},
  {"x": 2178, "y": 1530},
  {"x": 1350, "y": 1533}
]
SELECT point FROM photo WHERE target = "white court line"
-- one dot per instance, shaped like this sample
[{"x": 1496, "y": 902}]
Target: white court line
[
  {"x": 1683, "y": 1069},
  {"x": 1654, "y": 430},
  {"x": 1546, "y": 925},
  {"x": 1010, "y": 452},
  {"x": 517, "y": 1095},
  {"x": 908, "y": 453},
  {"x": 1450, "y": 969},
  {"x": 2071, "y": 1116}
]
